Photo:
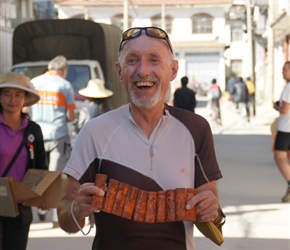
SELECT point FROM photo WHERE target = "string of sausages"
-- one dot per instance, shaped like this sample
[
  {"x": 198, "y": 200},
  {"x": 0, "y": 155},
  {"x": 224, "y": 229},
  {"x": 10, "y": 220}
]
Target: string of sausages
[{"x": 132, "y": 203}]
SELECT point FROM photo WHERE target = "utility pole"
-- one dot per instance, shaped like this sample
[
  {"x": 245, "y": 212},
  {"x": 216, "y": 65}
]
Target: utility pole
[
  {"x": 250, "y": 40},
  {"x": 125, "y": 15},
  {"x": 163, "y": 25}
]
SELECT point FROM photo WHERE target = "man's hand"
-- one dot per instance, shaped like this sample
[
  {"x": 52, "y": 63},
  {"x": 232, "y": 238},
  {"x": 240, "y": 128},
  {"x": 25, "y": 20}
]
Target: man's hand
[
  {"x": 82, "y": 204},
  {"x": 82, "y": 197},
  {"x": 206, "y": 202}
]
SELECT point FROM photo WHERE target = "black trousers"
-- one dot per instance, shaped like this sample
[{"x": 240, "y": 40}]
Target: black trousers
[
  {"x": 14, "y": 231},
  {"x": 252, "y": 104}
]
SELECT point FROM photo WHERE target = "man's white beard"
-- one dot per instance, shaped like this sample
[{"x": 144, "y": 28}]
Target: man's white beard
[{"x": 144, "y": 102}]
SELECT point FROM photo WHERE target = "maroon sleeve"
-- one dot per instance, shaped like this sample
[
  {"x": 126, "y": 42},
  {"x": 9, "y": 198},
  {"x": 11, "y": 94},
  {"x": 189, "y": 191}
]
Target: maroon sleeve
[{"x": 202, "y": 136}]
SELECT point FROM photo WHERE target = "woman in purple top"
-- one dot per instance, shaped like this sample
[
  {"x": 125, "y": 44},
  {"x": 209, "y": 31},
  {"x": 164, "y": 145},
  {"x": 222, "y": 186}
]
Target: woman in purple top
[{"x": 17, "y": 92}]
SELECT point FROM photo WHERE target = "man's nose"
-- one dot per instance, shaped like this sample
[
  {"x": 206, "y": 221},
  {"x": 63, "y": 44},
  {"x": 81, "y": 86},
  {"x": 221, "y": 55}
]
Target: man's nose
[{"x": 144, "y": 68}]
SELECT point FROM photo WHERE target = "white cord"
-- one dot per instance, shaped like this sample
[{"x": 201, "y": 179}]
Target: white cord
[
  {"x": 91, "y": 219},
  {"x": 201, "y": 168}
]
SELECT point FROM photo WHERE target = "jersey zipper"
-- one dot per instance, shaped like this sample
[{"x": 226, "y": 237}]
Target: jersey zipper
[{"x": 152, "y": 145}]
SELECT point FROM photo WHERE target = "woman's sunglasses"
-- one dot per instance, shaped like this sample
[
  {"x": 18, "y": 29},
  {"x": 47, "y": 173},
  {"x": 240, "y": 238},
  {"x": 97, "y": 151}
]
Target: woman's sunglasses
[{"x": 150, "y": 31}]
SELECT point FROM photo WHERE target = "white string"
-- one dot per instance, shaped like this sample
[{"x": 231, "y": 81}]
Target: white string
[
  {"x": 91, "y": 219},
  {"x": 221, "y": 214},
  {"x": 201, "y": 168}
]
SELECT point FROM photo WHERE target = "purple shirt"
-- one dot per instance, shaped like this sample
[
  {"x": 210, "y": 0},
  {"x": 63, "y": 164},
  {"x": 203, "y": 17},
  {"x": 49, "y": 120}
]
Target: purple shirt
[{"x": 9, "y": 143}]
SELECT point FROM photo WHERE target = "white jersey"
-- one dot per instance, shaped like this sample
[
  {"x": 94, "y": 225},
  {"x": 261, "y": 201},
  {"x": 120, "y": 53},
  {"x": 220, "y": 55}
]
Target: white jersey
[
  {"x": 113, "y": 144},
  {"x": 284, "y": 119}
]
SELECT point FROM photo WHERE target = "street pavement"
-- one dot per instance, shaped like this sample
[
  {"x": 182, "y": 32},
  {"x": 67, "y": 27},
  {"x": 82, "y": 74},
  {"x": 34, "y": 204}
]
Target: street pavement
[{"x": 250, "y": 191}]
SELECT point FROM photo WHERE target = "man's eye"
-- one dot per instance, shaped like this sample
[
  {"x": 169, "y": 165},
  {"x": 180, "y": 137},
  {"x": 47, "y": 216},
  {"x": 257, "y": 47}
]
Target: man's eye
[
  {"x": 132, "y": 60},
  {"x": 154, "y": 60}
]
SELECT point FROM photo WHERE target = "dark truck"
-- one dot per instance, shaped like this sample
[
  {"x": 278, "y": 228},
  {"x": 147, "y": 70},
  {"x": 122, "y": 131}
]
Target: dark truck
[{"x": 91, "y": 49}]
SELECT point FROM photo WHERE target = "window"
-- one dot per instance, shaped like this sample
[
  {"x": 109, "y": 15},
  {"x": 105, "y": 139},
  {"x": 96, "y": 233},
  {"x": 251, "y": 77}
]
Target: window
[
  {"x": 156, "y": 21},
  {"x": 237, "y": 35},
  {"x": 118, "y": 20},
  {"x": 237, "y": 67},
  {"x": 202, "y": 23},
  {"x": 78, "y": 76}
]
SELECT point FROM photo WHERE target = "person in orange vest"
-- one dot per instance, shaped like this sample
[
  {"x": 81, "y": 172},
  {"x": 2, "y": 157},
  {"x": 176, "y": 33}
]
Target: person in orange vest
[{"x": 252, "y": 93}]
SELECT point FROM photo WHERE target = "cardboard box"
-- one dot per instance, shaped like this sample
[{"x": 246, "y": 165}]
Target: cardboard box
[
  {"x": 8, "y": 205},
  {"x": 37, "y": 187}
]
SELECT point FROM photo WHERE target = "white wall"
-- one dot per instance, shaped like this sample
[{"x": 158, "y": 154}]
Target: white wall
[
  {"x": 181, "y": 30},
  {"x": 5, "y": 49}
]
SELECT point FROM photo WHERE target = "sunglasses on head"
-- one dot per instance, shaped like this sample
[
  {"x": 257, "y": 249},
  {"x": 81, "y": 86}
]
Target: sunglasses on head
[{"x": 150, "y": 31}]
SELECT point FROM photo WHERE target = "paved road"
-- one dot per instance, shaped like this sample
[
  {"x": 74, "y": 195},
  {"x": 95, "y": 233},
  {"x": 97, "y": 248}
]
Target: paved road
[{"x": 250, "y": 191}]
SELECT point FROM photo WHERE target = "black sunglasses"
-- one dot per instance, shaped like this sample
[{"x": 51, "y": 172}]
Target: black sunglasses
[{"x": 150, "y": 31}]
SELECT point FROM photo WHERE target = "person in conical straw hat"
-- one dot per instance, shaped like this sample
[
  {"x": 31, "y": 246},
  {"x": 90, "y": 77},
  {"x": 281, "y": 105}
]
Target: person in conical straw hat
[
  {"x": 20, "y": 82},
  {"x": 97, "y": 96},
  {"x": 18, "y": 134}
]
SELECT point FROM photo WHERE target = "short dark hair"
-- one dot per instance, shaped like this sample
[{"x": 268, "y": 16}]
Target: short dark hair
[
  {"x": 184, "y": 81},
  {"x": 213, "y": 81},
  {"x": 240, "y": 79}
]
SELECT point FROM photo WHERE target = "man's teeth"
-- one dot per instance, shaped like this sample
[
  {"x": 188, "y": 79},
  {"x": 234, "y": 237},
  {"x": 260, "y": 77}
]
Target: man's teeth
[{"x": 144, "y": 84}]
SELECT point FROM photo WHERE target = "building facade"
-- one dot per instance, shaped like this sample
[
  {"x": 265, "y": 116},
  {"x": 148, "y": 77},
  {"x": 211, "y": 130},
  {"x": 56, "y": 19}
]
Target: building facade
[
  {"x": 212, "y": 38},
  {"x": 196, "y": 28}
]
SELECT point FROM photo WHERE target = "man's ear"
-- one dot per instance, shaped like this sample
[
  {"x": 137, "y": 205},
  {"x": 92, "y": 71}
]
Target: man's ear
[
  {"x": 63, "y": 73},
  {"x": 118, "y": 71},
  {"x": 174, "y": 69}
]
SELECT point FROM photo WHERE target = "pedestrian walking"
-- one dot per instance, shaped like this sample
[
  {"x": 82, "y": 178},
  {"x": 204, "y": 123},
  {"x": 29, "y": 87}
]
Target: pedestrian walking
[
  {"x": 252, "y": 95},
  {"x": 240, "y": 96},
  {"x": 52, "y": 112},
  {"x": 97, "y": 96},
  {"x": 184, "y": 97},
  {"x": 282, "y": 142},
  {"x": 214, "y": 95},
  {"x": 230, "y": 86},
  {"x": 146, "y": 144}
]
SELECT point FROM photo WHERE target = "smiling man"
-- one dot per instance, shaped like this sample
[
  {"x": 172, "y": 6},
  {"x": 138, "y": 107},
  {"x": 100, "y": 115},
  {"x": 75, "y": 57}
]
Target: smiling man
[{"x": 146, "y": 144}]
